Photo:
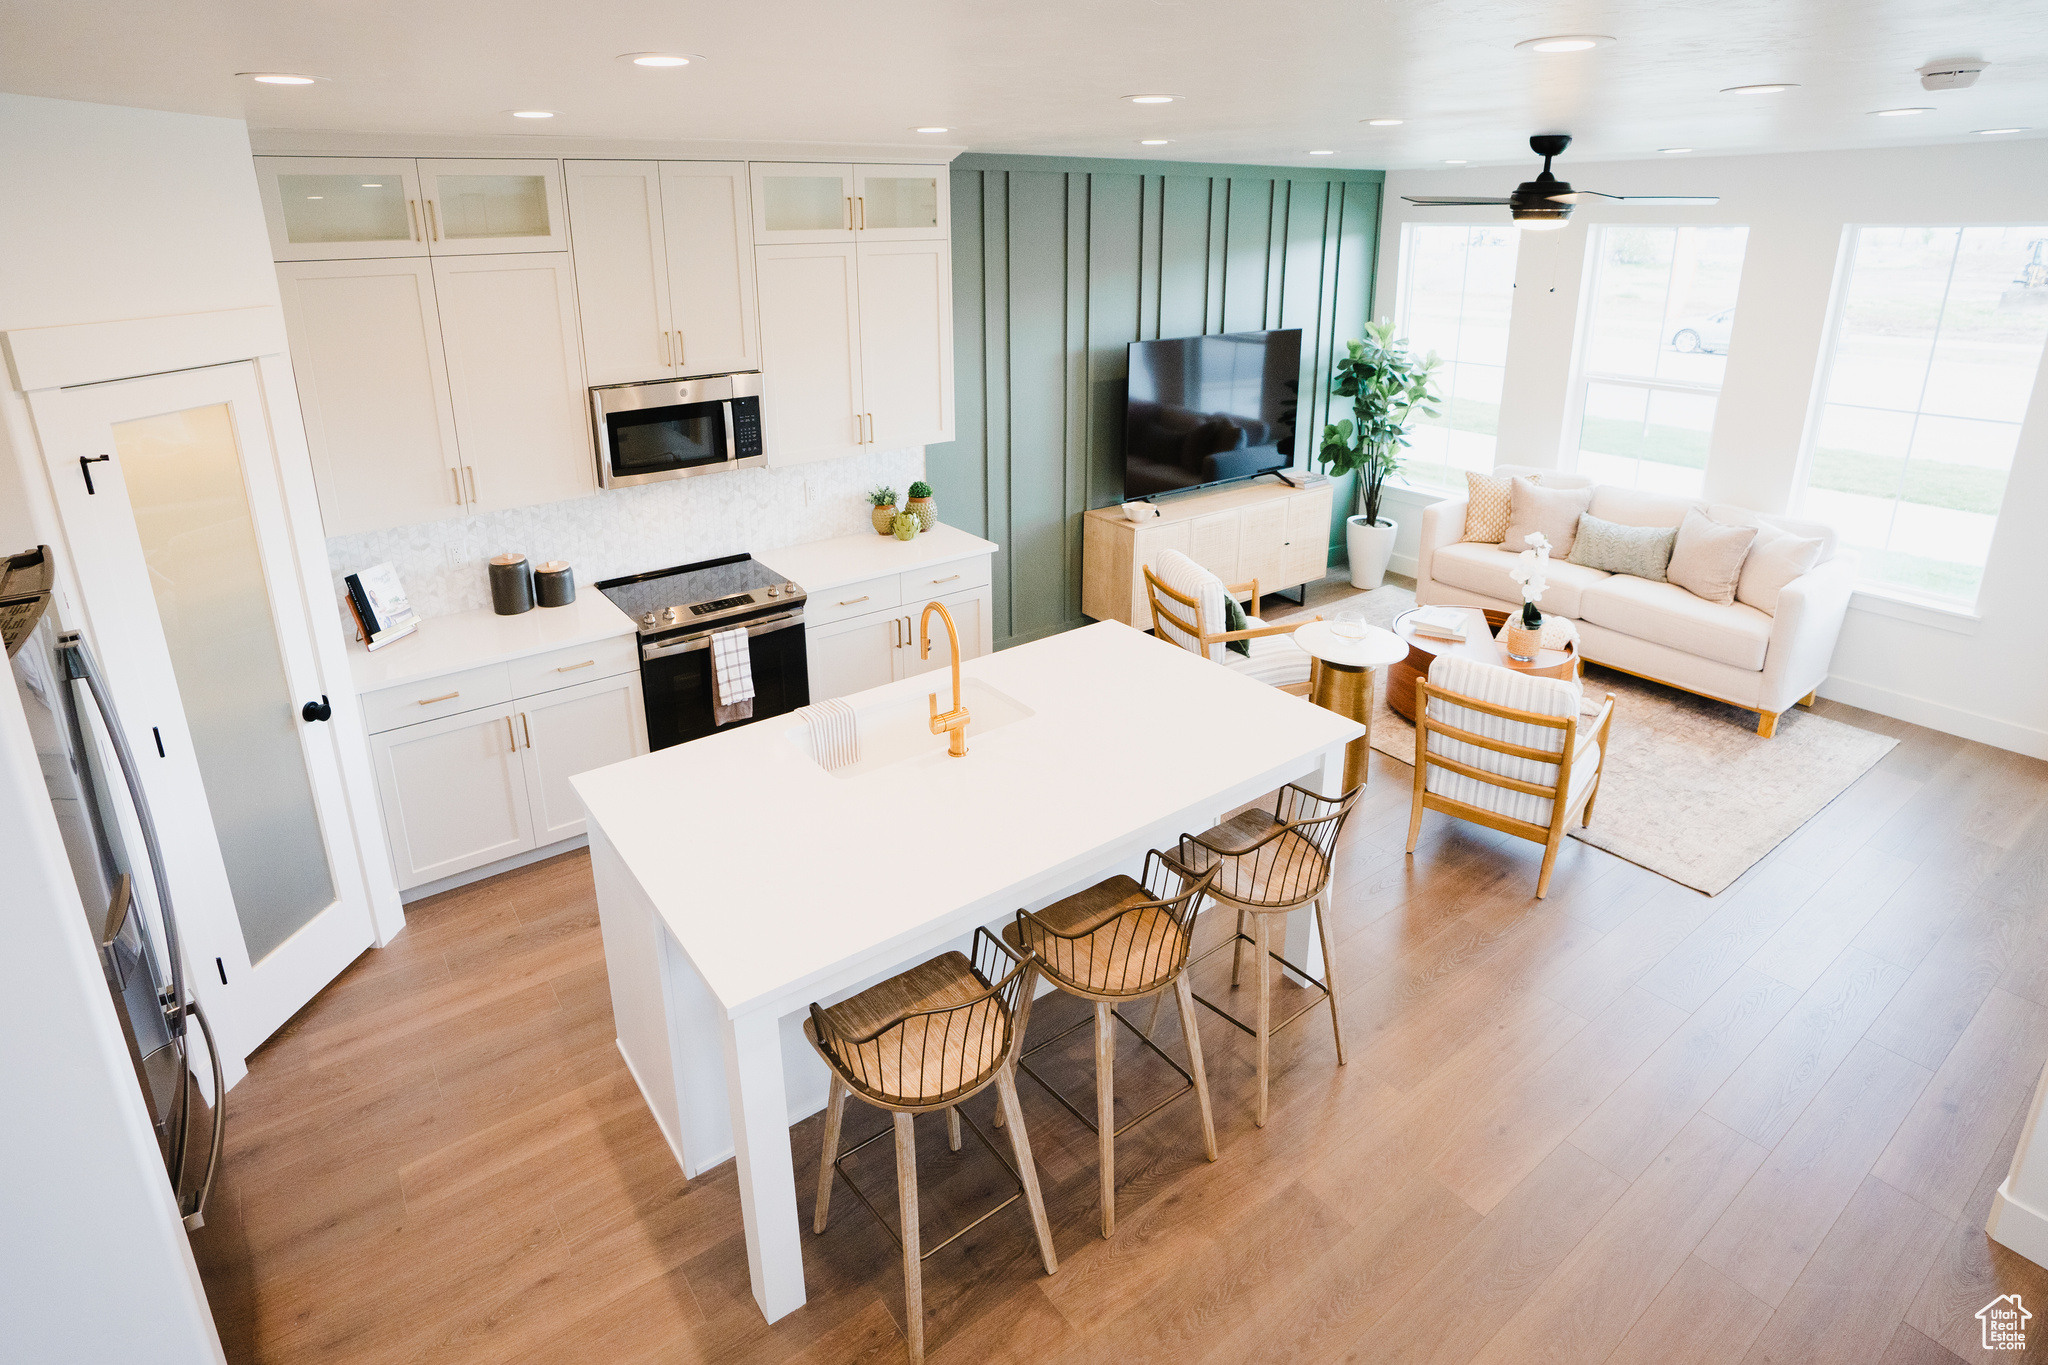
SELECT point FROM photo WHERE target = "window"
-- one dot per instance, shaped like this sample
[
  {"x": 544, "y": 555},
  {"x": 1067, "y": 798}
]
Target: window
[
  {"x": 1936, "y": 341},
  {"x": 1456, "y": 290},
  {"x": 1653, "y": 351}
]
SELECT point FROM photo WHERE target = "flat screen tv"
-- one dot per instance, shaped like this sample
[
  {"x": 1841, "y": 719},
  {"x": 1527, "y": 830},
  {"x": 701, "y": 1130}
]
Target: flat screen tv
[{"x": 1207, "y": 410}]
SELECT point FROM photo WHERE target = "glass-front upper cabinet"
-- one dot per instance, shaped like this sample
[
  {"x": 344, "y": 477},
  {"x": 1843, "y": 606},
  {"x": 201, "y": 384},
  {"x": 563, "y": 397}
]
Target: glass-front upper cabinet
[
  {"x": 328, "y": 208},
  {"x": 901, "y": 203}
]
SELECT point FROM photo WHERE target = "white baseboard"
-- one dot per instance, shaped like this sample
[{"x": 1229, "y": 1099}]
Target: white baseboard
[
  {"x": 477, "y": 874},
  {"x": 2018, "y": 1228},
  {"x": 1403, "y": 565},
  {"x": 1952, "y": 720}
]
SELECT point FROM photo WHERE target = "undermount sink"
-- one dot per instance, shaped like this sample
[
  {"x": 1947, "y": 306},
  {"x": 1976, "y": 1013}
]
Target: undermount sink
[{"x": 899, "y": 731}]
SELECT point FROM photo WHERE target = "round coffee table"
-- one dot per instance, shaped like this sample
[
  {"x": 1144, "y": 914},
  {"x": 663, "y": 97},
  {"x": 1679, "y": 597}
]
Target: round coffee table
[
  {"x": 1343, "y": 681},
  {"x": 1478, "y": 644}
]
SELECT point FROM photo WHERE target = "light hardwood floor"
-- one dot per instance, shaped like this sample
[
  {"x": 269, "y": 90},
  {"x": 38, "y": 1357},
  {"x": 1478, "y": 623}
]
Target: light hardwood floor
[{"x": 1628, "y": 1124}]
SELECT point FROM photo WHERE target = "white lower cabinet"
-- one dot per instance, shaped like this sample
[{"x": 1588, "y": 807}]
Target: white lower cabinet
[
  {"x": 468, "y": 789},
  {"x": 856, "y": 653}
]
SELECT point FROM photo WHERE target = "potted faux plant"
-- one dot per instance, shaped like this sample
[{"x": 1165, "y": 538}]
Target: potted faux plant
[
  {"x": 1523, "y": 632},
  {"x": 884, "y": 514},
  {"x": 921, "y": 505},
  {"x": 1388, "y": 386}
]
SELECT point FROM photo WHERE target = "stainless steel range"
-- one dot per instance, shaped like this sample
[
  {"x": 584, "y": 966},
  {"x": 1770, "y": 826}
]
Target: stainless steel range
[{"x": 678, "y": 610}]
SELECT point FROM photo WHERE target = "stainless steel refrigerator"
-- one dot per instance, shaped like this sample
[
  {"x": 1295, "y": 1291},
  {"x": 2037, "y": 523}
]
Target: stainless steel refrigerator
[{"x": 72, "y": 720}]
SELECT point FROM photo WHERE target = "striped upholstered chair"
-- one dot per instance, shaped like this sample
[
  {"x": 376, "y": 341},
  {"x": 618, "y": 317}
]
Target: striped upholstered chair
[{"x": 1187, "y": 610}]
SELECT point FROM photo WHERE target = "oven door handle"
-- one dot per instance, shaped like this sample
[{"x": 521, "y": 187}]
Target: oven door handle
[{"x": 686, "y": 644}]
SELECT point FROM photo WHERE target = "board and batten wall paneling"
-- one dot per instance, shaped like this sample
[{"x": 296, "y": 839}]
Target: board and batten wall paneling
[{"x": 1058, "y": 265}]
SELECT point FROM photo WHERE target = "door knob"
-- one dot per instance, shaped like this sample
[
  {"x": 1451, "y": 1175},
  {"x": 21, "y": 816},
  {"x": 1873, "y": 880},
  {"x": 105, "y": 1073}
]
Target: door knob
[{"x": 317, "y": 710}]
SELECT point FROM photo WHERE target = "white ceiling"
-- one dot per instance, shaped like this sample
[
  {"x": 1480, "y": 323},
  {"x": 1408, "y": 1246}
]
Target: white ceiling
[{"x": 1263, "y": 82}]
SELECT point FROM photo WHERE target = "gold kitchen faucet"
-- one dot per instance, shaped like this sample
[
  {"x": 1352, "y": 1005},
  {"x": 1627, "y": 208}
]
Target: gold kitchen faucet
[{"x": 955, "y": 720}]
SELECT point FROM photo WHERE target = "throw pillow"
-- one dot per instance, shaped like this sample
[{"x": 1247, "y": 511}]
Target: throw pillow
[
  {"x": 1774, "y": 560},
  {"x": 1234, "y": 619},
  {"x": 1486, "y": 506},
  {"x": 1553, "y": 511},
  {"x": 1640, "y": 551},
  {"x": 1707, "y": 560}
]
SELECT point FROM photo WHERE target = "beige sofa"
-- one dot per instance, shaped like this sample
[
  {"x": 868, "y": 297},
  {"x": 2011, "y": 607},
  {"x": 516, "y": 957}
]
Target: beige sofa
[{"x": 1763, "y": 662}]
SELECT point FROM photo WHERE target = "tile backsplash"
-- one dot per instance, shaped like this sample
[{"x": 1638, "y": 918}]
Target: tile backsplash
[{"x": 631, "y": 530}]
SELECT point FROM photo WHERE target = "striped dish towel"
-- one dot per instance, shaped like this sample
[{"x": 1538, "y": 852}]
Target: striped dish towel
[
  {"x": 835, "y": 735},
  {"x": 732, "y": 677}
]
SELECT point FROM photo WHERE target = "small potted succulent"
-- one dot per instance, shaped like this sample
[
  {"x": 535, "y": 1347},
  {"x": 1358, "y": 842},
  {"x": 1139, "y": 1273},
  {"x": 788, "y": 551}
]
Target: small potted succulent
[
  {"x": 921, "y": 504},
  {"x": 905, "y": 525},
  {"x": 884, "y": 515}
]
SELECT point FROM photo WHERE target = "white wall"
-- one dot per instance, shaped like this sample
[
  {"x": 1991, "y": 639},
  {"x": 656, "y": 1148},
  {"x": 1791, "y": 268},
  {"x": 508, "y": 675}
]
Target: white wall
[{"x": 1978, "y": 677}]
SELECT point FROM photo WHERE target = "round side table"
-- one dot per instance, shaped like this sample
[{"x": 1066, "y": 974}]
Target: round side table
[
  {"x": 1343, "y": 681},
  {"x": 1419, "y": 651}
]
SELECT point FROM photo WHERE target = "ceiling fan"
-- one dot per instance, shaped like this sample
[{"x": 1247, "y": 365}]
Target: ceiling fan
[{"x": 1546, "y": 201}]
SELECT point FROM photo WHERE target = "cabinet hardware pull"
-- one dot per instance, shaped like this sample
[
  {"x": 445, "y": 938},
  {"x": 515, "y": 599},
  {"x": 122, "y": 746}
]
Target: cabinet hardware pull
[
  {"x": 445, "y": 696},
  {"x": 679, "y": 348},
  {"x": 457, "y": 475},
  {"x": 526, "y": 729},
  {"x": 571, "y": 668},
  {"x": 433, "y": 220},
  {"x": 863, "y": 213},
  {"x": 510, "y": 735},
  {"x": 412, "y": 217},
  {"x": 470, "y": 470},
  {"x": 895, "y": 632},
  {"x": 862, "y": 598},
  {"x": 664, "y": 350},
  {"x": 849, "y": 213},
  {"x": 947, "y": 579}
]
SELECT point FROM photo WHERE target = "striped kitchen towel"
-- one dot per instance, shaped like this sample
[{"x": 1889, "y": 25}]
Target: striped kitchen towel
[
  {"x": 834, "y": 733},
  {"x": 732, "y": 677}
]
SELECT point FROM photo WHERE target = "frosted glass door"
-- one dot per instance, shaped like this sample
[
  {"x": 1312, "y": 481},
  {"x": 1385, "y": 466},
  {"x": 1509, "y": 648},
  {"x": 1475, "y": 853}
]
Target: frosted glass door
[
  {"x": 487, "y": 207},
  {"x": 184, "y": 477},
  {"x": 801, "y": 202},
  {"x": 901, "y": 203},
  {"x": 325, "y": 208}
]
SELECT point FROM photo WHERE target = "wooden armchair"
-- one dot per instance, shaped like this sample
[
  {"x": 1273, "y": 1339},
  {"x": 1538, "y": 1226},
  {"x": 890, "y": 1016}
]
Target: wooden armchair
[
  {"x": 1187, "y": 610},
  {"x": 1508, "y": 751}
]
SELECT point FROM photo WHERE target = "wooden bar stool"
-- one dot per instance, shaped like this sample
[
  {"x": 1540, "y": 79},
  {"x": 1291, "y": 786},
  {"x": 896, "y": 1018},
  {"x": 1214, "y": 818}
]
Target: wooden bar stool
[
  {"x": 938, "y": 1034},
  {"x": 1121, "y": 940},
  {"x": 1268, "y": 866}
]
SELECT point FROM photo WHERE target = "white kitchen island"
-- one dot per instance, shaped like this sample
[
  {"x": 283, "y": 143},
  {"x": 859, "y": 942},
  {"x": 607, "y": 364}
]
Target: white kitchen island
[{"x": 738, "y": 881}]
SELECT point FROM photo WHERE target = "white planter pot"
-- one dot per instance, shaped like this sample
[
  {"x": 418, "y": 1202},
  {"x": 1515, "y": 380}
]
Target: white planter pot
[{"x": 1370, "y": 545}]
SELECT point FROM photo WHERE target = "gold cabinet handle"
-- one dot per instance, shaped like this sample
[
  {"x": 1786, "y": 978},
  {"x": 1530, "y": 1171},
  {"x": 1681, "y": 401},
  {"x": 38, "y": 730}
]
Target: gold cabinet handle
[
  {"x": 412, "y": 216},
  {"x": 433, "y": 221},
  {"x": 895, "y": 632},
  {"x": 470, "y": 470},
  {"x": 526, "y": 729},
  {"x": 445, "y": 696},
  {"x": 457, "y": 475},
  {"x": 571, "y": 668},
  {"x": 679, "y": 348},
  {"x": 664, "y": 350},
  {"x": 947, "y": 579},
  {"x": 862, "y": 201},
  {"x": 862, "y": 598},
  {"x": 509, "y": 735},
  {"x": 849, "y": 213}
]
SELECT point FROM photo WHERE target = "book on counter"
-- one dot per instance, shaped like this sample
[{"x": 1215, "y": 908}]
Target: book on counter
[
  {"x": 377, "y": 600},
  {"x": 1439, "y": 623}
]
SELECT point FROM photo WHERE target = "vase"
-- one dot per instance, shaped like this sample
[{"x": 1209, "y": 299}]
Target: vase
[
  {"x": 927, "y": 515},
  {"x": 884, "y": 519},
  {"x": 1521, "y": 643},
  {"x": 1369, "y": 544},
  {"x": 905, "y": 527}
]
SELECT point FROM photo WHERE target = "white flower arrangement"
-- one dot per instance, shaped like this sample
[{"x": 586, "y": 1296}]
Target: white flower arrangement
[{"x": 1529, "y": 571}]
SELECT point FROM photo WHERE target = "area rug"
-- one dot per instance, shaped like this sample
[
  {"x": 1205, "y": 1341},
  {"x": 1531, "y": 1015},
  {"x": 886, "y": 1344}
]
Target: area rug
[{"x": 1690, "y": 791}]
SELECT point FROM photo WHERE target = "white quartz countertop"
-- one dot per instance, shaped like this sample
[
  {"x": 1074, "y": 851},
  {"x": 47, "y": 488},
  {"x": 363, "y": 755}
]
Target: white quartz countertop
[
  {"x": 471, "y": 639},
  {"x": 832, "y": 563},
  {"x": 771, "y": 872}
]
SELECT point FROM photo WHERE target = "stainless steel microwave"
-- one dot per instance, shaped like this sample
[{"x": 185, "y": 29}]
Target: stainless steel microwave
[{"x": 673, "y": 428}]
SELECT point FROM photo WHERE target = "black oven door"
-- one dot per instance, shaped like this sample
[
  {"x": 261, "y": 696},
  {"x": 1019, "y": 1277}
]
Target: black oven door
[
  {"x": 675, "y": 676},
  {"x": 641, "y": 444}
]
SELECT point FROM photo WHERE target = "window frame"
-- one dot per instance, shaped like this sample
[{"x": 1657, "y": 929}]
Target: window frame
[{"x": 1402, "y": 261}]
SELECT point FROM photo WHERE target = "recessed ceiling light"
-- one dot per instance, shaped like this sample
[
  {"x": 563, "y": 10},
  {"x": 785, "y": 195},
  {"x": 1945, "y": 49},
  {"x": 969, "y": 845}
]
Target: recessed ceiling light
[
  {"x": 1564, "y": 42},
  {"x": 1994, "y": 132},
  {"x": 1153, "y": 141},
  {"x": 1903, "y": 113},
  {"x": 277, "y": 78},
  {"x": 658, "y": 58},
  {"x": 929, "y": 130},
  {"x": 1454, "y": 163},
  {"x": 1384, "y": 122},
  {"x": 1151, "y": 99},
  {"x": 1674, "y": 151},
  {"x": 1777, "y": 89},
  {"x": 532, "y": 113},
  {"x": 1322, "y": 153},
  {"x": 373, "y": 184},
  {"x": 316, "y": 196}
]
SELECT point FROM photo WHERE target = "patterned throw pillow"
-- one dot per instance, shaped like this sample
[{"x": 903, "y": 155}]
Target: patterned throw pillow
[
  {"x": 1640, "y": 551},
  {"x": 1486, "y": 506}
]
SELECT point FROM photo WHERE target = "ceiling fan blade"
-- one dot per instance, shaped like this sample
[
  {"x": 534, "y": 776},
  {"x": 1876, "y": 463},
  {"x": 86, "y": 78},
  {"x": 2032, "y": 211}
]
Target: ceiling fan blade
[
  {"x": 1581, "y": 196},
  {"x": 1449, "y": 201}
]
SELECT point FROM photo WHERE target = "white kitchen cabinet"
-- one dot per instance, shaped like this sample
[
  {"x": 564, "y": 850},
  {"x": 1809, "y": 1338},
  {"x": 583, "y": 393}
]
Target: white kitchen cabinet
[
  {"x": 973, "y": 612},
  {"x": 488, "y": 206},
  {"x": 810, "y": 352},
  {"x": 569, "y": 731},
  {"x": 902, "y": 203},
  {"x": 906, "y": 342},
  {"x": 373, "y": 385},
  {"x": 453, "y": 792},
  {"x": 853, "y": 655},
  {"x": 802, "y": 202},
  {"x": 329, "y": 208},
  {"x": 515, "y": 374},
  {"x": 664, "y": 268}
]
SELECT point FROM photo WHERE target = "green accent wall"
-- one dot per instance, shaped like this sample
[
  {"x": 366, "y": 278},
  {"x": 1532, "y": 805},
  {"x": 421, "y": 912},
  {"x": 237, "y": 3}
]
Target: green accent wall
[{"x": 1058, "y": 264}]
